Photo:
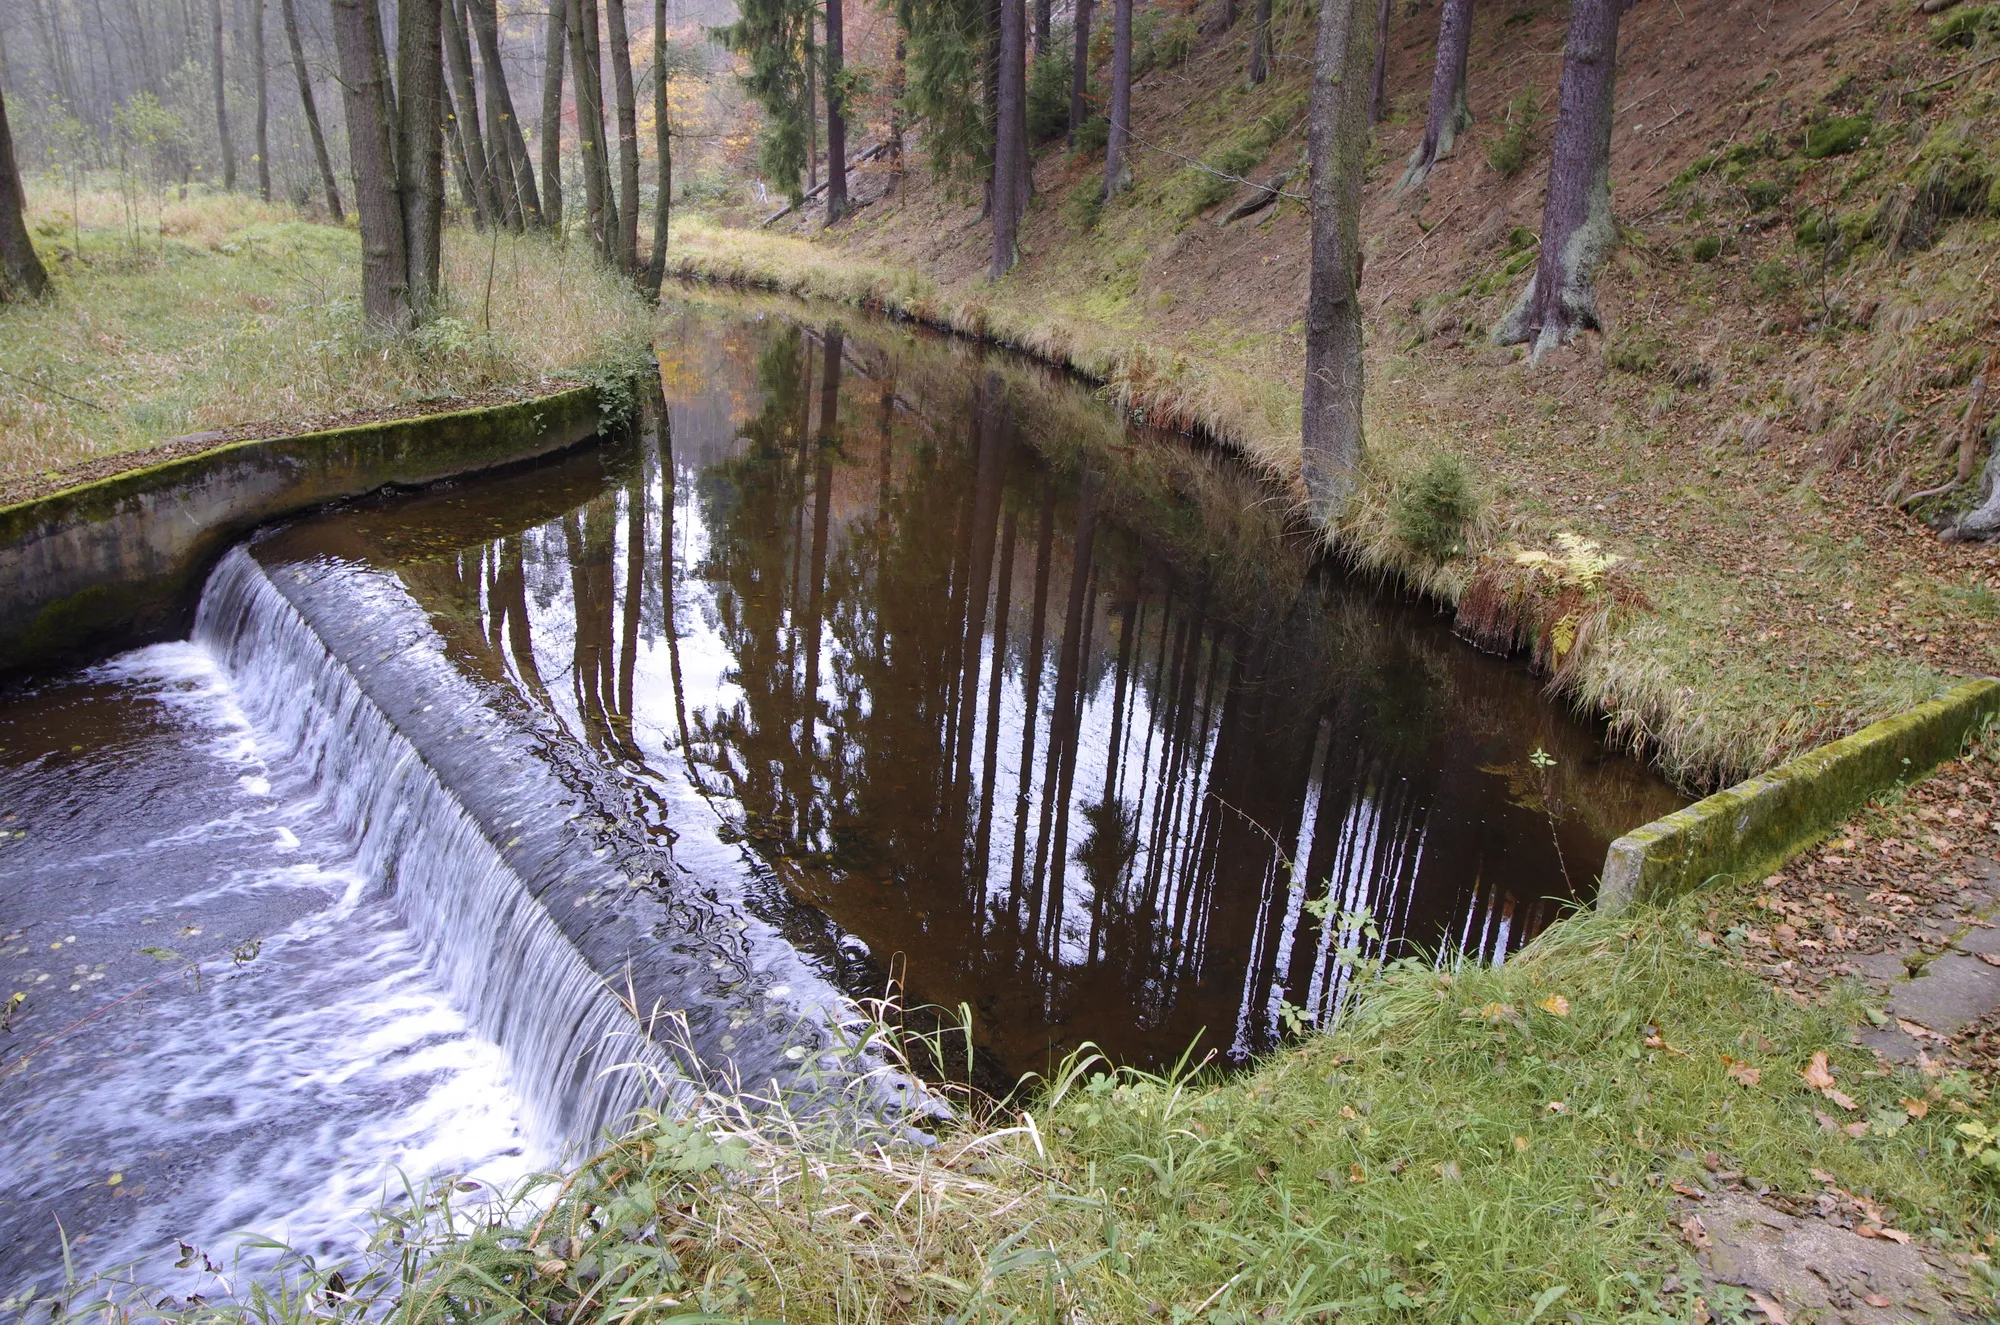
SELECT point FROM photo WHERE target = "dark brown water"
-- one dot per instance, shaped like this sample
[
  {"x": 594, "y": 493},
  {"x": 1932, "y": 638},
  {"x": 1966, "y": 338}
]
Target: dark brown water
[{"x": 920, "y": 656}]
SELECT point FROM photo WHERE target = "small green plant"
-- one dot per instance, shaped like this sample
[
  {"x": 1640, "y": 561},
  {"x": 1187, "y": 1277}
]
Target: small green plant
[
  {"x": 1773, "y": 277},
  {"x": 1509, "y": 152},
  {"x": 1837, "y": 137},
  {"x": 1048, "y": 90},
  {"x": 1763, "y": 194},
  {"x": 1965, "y": 27},
  {"x": 1092, "y": 135},
  {"x": 1086, "y": 204},
  {"x": 1707, "y": 248},
  {"x": 1434, "y": 507}
]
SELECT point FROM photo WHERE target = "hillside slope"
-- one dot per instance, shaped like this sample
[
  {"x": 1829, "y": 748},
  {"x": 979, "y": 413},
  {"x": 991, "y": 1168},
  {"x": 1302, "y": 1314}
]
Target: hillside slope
[{"x": 1790, "y": 336}]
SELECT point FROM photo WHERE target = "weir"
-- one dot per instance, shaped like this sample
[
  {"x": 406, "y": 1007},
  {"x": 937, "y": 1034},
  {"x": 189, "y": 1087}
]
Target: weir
[{"x": 580, "y": 1058}]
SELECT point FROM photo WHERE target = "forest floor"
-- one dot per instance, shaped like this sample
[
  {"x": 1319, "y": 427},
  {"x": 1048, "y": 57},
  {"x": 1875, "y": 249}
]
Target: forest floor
[
  {"x": 220, "y": 318},
  {"x": 1732, "y": 438}
]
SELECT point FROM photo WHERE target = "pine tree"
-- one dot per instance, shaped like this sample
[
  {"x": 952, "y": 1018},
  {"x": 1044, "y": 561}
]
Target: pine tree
[{"x": 771, "y": 35}]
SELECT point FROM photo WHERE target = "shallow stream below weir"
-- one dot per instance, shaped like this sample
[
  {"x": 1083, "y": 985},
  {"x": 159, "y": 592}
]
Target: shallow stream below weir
[{"x": 871, "y": 658}]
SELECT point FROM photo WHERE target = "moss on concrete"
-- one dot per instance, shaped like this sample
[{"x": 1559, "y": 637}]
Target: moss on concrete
[
  {"x": 120, "y": 561},
  {"x": 1752, "y": 828}
]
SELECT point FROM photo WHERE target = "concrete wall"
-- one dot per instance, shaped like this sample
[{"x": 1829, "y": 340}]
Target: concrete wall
[
  {"x": 120, "y": 561},
  {"x": 1749, "y": 830}
]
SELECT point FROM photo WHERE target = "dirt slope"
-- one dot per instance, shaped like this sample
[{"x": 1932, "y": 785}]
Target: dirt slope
[{"x": 1734, "y": 433}]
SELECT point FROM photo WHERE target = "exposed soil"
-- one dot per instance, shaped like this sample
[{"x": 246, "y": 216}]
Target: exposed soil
[{"x": 23, "y": 488}]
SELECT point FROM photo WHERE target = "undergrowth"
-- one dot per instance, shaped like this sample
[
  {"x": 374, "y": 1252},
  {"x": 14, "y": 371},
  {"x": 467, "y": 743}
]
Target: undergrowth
[
  {"x": 182, "y": 317},
  {"x": 1472, "y": 1144}
]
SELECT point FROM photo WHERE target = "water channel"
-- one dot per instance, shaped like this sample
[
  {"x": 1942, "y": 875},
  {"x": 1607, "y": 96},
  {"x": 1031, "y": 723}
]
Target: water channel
[{"x": 870, "y": 656}]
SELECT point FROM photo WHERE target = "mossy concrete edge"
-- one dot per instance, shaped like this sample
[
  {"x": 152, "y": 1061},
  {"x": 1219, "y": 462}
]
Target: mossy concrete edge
[
  {"x": 118, "y": 561},
  {"x": 1749, "y": 830}
]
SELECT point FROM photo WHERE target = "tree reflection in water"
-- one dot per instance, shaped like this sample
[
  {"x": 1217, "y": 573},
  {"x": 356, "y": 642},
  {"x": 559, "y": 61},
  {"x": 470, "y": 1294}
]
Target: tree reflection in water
[{"x": 1067, "y": 728}]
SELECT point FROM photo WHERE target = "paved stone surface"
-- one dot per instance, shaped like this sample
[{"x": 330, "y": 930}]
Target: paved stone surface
[{"x": 1813, "y": 1270}]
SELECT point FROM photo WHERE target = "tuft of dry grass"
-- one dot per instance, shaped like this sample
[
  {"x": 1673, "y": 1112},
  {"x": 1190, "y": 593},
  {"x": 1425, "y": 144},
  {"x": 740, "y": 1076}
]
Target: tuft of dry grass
[{"x": 221, "y": 311}]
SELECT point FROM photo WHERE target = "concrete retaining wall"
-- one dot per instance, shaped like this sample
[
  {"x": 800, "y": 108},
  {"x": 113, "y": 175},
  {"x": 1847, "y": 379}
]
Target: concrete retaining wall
[
  {"x": 1752, "y": 828},
  {"x": 120, "y": 561}
]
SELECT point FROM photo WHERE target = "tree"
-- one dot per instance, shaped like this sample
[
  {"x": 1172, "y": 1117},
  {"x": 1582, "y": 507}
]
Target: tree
[
  {"x": 1079, "y": 73},
  {"x": 836, "y": 116},
  {"x": 656, "y": 269},
  {"x": 1118, "y": 175},
  {"x": 1010, "y": 131},
  {"x": 628, "y": 137},
  {"x": 1331, "y": 439},
  {"x": 1378, "y": 89},
  {"x": 599, "y": 206},
  {"x": 371, "y": 145},
  {"x": 1450, "y": 114},
  {"x": 221, "y": 96},
  {"x": 470, "y": 138},
  {"x": 502, "y": 123},
  {"x": 1561, "y": 298},
  {"x": 289, "y": 11},
  {"x": 1260, "y": 45},
  {"x": 19, "y": 262},
  {"x": 772, "y": 35},
  {"x": 263, "y": 99},
  {"x": 555, "y": 39},
  {"x": 420, "y": 146}
]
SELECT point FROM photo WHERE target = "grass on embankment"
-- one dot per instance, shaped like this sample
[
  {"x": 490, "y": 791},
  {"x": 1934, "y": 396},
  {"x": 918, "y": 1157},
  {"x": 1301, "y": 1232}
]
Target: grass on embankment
[
  {"x": 1472, "y": 1145},
  {"x": 1670, "y": 654},
  {"x": 223, "y": 311}
]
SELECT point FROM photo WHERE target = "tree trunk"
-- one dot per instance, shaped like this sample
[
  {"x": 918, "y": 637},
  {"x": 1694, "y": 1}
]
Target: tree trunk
[
  {"x": 501, "y": 120},
  {"x": 899, "y": 85},
  {"x": 1450, "y": 114},
  {"x": 836, "y": 117},
  {"x": 19, "y": 263},
  {"x": 290, "y": 13},
  {"x": 589, "y": 125},
  {"x": 1260, "y": 45},
  {"x": 628, "y": 137},
  {"x": 1561, "y": 298},
  {"x": 1331, "y": 440},
  {"x": 557, "y": 38},
  {"x": 1079, "y": 73},
  {"x": 656, "y": 269},
  {"x": 221, "y": 96},
  {"x": 263, "y": 100},
  {"x": 1007, "y": 136},
  {"x": 812, "y": 107},
  {"x": 371, "y": 146},
  {"x": 470, "y": 139},
  {"x": 470, "y": 196},
  {"x": 1042, "y": 20},
  {"x": 1117, "y": 175},
  {"x": 420, "y": 146},
  {"x": 1378, "y": 92}
]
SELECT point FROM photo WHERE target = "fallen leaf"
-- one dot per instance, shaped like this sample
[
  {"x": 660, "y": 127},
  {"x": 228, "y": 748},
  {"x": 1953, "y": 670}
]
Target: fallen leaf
[
  {"x": 1771, "y": 1309},
  {"x": 1856, "y": 1130},
  {"x": 1695, "y": 1232},
  {"x": 1742, "y": 1072},
  {"x": 1877, "y": 1300},
  {"x": 1355, "y": 1174},
  {"x": 1555, "y": 1005},
  {"x": 1916, "y": 1032},
  {"x": 1692, "y": 1193},
  {"x": 1556, "y": 1106},
  {"x": 1447, "y": 1170},
  {"x": 1841, "y": 1098},
  {"x": 1347, "y": 1111},
  {"x": 1867, "y": 1231},
  {"x": 1916, "y": 1108},
  {"x": 1817, "y": 1074},
  {"x": 1895, "y": 1235},
  {"x": 1990, "y": 958},
  {"x": 1520, "y": 1143}
]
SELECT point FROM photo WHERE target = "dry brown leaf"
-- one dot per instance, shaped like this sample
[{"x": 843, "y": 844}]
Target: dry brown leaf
[
  {"x": 1856, "y": 1130},
  {"x": 1895, "y": 1235},
  {"x": 1695, "y": 1232},
  {"x": 1555, "y": 1005},
  {"x": 1817, "y": 1074},
  {"x": 1692, "y": 1193},
  {"x": 1990, "y": 958},
  {"x": 1771, "y": 1310},
  {"x": 1841, "y": 1098},
  {"x": 1356, "y": 1174},
  {"x": 1916, "y": 1108},
  {"x": 1742, "y": 1072},
  {"x": 1877, "y": 1300}
]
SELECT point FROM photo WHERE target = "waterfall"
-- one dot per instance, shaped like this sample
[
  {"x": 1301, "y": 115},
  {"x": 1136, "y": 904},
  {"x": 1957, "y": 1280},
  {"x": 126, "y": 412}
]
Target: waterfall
[{"x": 579, "y": 1057}]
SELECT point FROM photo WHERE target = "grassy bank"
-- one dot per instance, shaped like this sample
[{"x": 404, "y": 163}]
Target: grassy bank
[
  {"x": 178, "y": 317},
  {"x": 1469, "y": 1145}
]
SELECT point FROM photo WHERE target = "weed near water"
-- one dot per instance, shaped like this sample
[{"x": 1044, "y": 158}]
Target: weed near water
[
  {"x": 221, "y": 311},
  {"x": 1469, "y": 1144}
]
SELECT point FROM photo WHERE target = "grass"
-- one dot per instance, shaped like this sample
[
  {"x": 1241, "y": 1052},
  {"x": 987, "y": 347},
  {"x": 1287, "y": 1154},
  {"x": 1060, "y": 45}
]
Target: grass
[
  {"x": 222, "y": 311},
  {"x": 1469, "y": 1145}
]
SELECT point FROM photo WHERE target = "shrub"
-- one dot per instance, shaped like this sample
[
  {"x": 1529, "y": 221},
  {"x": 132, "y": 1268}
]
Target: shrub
[
  {"x": 1048, "y": 89},
  {"x": 1707, "y": 248},
  {"x": 1086, "y": 204},
  {"x": 1510, "y": 151},
  {"x": 1434, "y": 507},
  {"x": 1837, "y": 137},
  {"x": 1964, "y": 27},
  {"x": 1093, "y": 134},
  {"x": 1763, "y": 194},
  {"x": 1772, "y": 277}
]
